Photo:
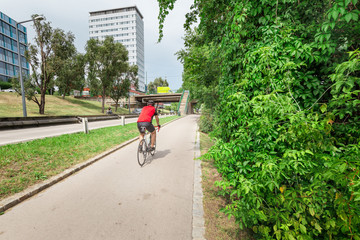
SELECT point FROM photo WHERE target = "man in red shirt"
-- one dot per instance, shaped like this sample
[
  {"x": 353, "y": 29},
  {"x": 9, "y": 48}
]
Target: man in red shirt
[{"x": 145, "y": 120}]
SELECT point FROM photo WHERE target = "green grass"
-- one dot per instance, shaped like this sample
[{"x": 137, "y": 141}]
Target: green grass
[
  {"x": 25, "y": 164},
  {"x": 11, "y": 106}
]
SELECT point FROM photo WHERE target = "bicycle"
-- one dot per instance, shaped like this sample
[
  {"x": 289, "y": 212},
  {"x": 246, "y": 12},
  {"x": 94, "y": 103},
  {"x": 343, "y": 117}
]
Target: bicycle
[{"x": 144, "y": 146}]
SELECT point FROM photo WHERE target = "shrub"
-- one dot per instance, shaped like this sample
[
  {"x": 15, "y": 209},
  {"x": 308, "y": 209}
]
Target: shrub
[
  {"x": 5, "y": 85},
  {"x": 206, "y": 124},
  {"x": 286, "y": 176}
]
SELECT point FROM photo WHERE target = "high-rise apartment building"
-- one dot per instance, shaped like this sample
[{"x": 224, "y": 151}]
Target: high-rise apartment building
[
  {"x": 126, "y": 25},
  {"x": 9, "y": 64}
]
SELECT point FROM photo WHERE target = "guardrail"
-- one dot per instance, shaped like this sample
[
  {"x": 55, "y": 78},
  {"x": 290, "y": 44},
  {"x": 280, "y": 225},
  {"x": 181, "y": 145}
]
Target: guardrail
[
  {"x": 18, "y": 122},
  {"x": 23, "y": 122}
]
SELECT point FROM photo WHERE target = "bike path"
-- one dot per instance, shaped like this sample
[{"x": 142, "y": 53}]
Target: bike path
[{"x": 115, "y": 198}]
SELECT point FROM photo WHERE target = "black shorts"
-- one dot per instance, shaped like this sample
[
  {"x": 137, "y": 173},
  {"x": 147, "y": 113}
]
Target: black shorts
[{"x": 148, "y": 125}]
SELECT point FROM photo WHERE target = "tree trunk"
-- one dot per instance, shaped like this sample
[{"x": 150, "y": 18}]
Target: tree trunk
[
  {"x": 116, "y": 105},
  {"x": 42, "y": 103}
]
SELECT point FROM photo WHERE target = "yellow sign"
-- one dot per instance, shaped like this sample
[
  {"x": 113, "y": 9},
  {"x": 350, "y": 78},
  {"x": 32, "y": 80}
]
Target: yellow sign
[{"x": 163, "y": 89}]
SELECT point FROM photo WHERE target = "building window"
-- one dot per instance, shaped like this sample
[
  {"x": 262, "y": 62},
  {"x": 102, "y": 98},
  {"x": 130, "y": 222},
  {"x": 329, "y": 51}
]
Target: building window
[
  {"x": 22, "y": 49},
  {"x": 15, "y": 57},
  {"x": 23, "y": 62},
  {"x": 14, "y": 45},
  {"x": 2, "y": 43},
  {"x": 7, "y": 42},
  {"x": 2, "y": 54},
  {"x": 6, "y": 28},
  {"x": 2, "y": 68},
  {"x": 10, "y": 70},
  {"x": 9, "y": 57},
  {"x": 22, "y": 37},
  {"x": 13, "y": 32}
]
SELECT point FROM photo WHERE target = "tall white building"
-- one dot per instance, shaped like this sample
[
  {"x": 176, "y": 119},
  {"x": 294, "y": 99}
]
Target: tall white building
[{"x": 126, "y": 25}]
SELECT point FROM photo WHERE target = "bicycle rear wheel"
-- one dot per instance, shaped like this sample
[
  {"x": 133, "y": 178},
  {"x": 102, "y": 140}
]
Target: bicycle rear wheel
[{"x": 142, "y": 152}]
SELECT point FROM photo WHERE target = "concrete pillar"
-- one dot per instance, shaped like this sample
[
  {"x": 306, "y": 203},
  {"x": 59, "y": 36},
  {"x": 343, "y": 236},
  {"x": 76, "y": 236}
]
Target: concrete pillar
[{"x": 85, "y": 125}]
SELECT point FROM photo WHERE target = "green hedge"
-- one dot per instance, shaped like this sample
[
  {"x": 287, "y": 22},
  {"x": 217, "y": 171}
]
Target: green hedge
[{"x": 5, "y": 85}]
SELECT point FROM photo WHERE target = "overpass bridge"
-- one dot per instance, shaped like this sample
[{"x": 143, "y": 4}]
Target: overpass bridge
[
  {"x": 185, "y": 105},
  {"x": 170, "y": 97}
]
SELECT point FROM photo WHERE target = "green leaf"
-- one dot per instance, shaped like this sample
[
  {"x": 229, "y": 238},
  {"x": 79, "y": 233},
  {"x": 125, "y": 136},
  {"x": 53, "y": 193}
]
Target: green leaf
[
  {"x": 343, "y": 167},
  {"x": 302, "y": 229},
  {"x": 311, "y": 211},
  {"x": 309, "y": 152},
  {"x": 348, "y": 17},
  {"x": 332, "y": 25},
  {"x": 355, "y": 16},
  {"x": 317, "y": 227},
  {"x": 323, "y": 108},
  {"x": 335, "y": 14},
  {"x": 342, "y": 11},
  {"x": 291, "y": 237}
]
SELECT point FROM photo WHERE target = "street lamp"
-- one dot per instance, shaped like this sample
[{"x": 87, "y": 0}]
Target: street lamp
[{"x": 39, "y": 18}]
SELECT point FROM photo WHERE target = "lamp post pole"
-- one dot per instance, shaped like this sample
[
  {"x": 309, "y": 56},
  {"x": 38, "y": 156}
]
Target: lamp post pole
[
  {"x": 20, "y": 73},
  {"x": 20, "y": 66}
]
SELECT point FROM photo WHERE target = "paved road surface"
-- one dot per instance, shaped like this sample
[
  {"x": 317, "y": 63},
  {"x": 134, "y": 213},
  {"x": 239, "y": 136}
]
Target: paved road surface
[
  {"x": 27, "y": 134},
  {"x": 115, "y": 198}
]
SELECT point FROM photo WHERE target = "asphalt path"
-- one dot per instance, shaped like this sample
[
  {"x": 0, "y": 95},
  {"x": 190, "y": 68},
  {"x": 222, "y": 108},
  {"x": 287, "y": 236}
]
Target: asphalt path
[
  {"x": 28, "y": 134},
  {"x": 115, "y": 198}
]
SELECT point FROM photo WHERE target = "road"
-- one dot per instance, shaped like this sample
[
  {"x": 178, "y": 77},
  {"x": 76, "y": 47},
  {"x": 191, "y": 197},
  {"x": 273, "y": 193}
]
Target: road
[
  {"x": 28, "y": 134},
  {"x": 115, "y": 198}
]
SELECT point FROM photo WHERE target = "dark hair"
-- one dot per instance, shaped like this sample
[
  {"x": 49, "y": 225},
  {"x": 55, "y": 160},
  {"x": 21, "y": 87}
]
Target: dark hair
[{"x": 150, "y": 102}]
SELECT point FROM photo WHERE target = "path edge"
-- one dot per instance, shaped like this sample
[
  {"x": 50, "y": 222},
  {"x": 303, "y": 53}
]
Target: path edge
[{"x": 198, "y": 222}]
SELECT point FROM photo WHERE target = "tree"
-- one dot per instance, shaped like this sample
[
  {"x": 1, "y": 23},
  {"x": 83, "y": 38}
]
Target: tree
[
  {"x": 107, "y": 60},
  {"x": 158, "y": 82},
  {"x": 69, "y": 66},
  {"x": 180, "y": 90},
  {"x": 202, "y": 69},
  {"x": 121, "y": 85},
  {"x": 50, "y": 48},
  {"x": 288, "y": 115}
]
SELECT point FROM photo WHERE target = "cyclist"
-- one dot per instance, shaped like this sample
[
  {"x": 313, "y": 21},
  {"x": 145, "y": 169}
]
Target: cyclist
[{"x": 145, "y": 120}]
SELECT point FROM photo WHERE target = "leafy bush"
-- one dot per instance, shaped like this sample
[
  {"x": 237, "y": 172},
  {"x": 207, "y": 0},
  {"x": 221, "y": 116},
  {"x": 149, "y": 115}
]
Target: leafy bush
[
  {"x": 285, "y": 174},
  {"x": 5, "y": 85},
  {"x": 288, "y": 123},
  {"x": 206, "y": 123}
]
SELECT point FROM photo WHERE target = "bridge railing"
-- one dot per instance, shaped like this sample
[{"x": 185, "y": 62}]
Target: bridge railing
[
  {"x": 187, "y": 102},
  {"x": 182, "y": 95}
]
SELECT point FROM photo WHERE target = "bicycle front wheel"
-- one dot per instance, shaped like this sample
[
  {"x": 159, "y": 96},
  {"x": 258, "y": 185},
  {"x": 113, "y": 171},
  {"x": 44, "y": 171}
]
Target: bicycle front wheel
[{"x": 142, "y": 152}]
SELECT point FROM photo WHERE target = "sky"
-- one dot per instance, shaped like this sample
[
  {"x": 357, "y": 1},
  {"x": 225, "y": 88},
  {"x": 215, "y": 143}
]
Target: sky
[{"x": 73, "y": 16}]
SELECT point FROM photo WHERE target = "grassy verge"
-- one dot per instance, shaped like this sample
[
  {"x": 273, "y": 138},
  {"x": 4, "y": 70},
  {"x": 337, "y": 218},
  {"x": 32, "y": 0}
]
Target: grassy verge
[
  {"x": 218, "y": 225},
  {"x": 25, "y": 164},
  {"x": 11, "y": 106}
]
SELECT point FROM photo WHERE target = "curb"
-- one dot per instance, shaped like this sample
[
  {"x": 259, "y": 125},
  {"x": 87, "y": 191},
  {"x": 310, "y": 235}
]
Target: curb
[
  {"x": 198, "y": 221},
  {"x": 13, "y": 200}
]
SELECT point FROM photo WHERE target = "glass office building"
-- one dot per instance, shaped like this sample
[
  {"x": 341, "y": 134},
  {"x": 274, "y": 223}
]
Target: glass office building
[
  {"x": 9, "y": 65},
  {"x": 126, "y": 25}
]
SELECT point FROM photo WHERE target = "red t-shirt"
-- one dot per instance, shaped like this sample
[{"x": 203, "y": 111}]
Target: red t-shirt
[{"x": 147, "y": 114}]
